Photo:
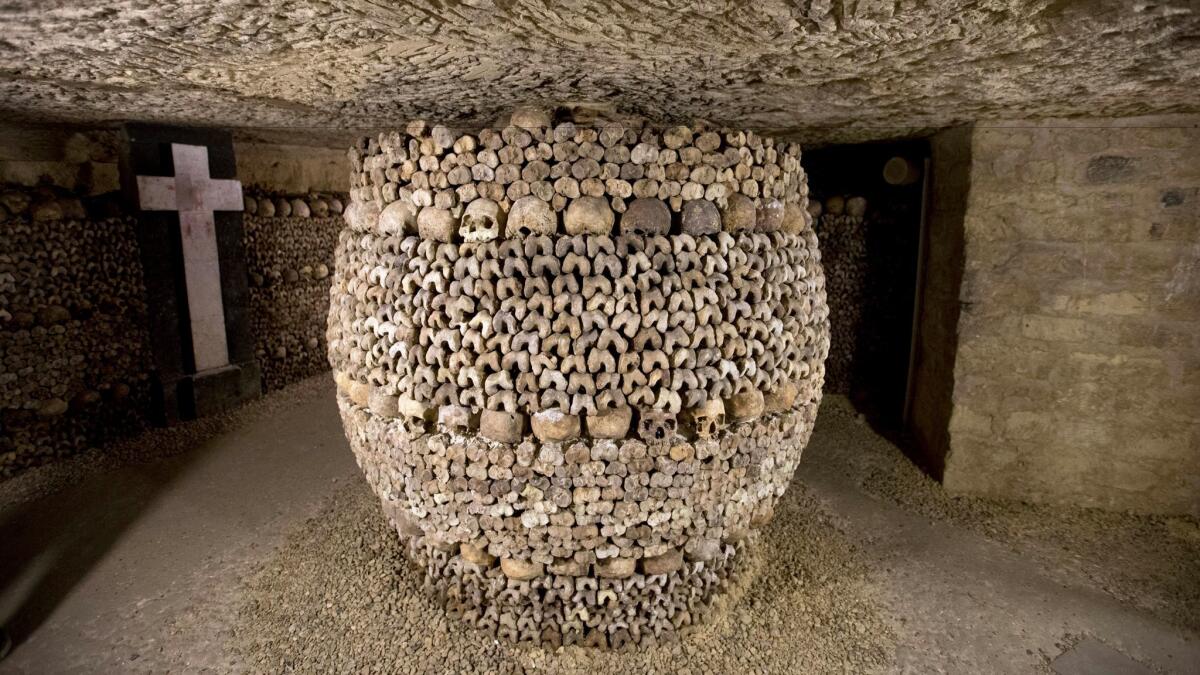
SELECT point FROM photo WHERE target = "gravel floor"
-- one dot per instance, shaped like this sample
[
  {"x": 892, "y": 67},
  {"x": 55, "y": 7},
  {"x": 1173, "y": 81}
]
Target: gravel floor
[
  {"x": 152, "y": 445},
  {"x": 838, "y": 584},
  {"x": 339, "y": 597},
  {"x": 1151, "y": 562}
]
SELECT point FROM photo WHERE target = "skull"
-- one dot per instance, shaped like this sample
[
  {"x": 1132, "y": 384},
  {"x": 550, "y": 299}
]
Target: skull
[
  {"x": 589, "y": 215},
  {"x": 481, "y": 221},
  {"x": 414, "y": 416},
  {"x": 706, "y": 420},
  {"x": 529, "y": 216},
  {"x": 700, "y": 216},
  {"x": 555, "y": 425},
  {"x": 455, "y": 419},
  {"x": 436, "y": 224},
  {"x": 770, "y": 215},
  {"x": 300, "y": 208},
  {"x": 613, "y": 423},
  {"x": 793, "y": 218},
  {"x": 501, "y": 426},
  {"x": 656, "y": 426},
  {"x": 739, "y": 213},
  {"x": 398, "y": 219},
  {"x": 646, "y": 216}
]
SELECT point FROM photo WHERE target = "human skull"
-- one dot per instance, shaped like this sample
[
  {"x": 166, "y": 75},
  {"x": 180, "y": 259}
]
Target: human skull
[
  {"x": 700, "y": 216},
  {"x": 794, "y": 221},
  {"x": 656, "y": 426},
  {"x": 300, "y": 208},
  {"x": 436, "y": 224},
  {"x": 706, "y": 420},
  {"x": 610, "y": 423},
  {"x": 414, "y": 416},
  {"x": 398, "y": 219},
  {"x": 746, "y": 405},
  {"x": 481, "y": 221},
  {"x": 739, "y": 213},
  {"x": 501, "y": 426},
  {"x": 455, "y": 419},
  {"x": 770, "y": 216},
  {"x": 856, "y": 207},
  {"x": 531, "y": 216},
  {"x": 646, "y": 215},
  {"x": 589, "y": 215}
]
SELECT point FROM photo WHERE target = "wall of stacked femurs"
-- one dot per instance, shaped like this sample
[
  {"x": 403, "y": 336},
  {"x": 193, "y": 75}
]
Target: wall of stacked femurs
[
  {"x": 289, "y": 242},
  {"x": 841, "y": 224},
  {"x": 578, "y": 365},
  {"x": 73, "y": 345},
  {"x": 75, "y": 363}
]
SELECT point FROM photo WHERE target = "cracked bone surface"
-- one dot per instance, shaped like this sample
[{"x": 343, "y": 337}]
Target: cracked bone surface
[{"x": 577, "y": 363}]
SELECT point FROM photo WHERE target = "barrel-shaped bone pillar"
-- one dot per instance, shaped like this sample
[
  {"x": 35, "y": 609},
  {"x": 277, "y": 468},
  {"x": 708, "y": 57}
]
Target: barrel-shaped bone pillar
[{"x": 576, "y": 422}]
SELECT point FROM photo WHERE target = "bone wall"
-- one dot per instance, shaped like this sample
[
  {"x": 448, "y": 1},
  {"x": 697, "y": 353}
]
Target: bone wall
[
  {"x": 290, "y": 240},
  {"x": 577, "y": 364},
  {"x": 843, "y": 237},
  {"x": 72, "y": 326}
]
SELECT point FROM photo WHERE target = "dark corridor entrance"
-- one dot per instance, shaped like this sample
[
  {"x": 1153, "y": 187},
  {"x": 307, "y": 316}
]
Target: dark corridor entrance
[{"x": 869, "y": 227}]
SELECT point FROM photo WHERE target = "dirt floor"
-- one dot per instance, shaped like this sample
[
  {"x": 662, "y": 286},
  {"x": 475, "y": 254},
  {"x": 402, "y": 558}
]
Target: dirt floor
[{"x": 248, "y": 543}]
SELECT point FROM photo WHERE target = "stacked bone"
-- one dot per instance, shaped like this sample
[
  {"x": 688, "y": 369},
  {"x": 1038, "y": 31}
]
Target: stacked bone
[
  {"x": 74, "y": 357},
  {"x": 577, "y": 365},
  {"x": 841, "y": 226},
  {"x": 289, "y": 242}
]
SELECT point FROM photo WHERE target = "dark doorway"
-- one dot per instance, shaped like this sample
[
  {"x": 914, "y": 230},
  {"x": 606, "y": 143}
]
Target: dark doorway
[{"x": 869, "y": 226}]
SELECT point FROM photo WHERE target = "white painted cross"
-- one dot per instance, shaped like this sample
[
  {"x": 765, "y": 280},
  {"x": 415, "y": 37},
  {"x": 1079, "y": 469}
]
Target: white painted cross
[{"x": 196, "y": 196}]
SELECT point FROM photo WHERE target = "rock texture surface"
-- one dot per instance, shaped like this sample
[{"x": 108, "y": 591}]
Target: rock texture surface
[
  {"x": 1079, "y": 314},
  {"x": 832, "y": 70},
  {"x": 513, "y": 386}
]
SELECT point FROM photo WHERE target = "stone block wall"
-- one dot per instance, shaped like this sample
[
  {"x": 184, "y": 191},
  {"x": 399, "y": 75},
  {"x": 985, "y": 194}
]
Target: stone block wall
[
  {"x": 81, "y": 161},
  {"x": 932, "y": 386},
  {"x": 1079, "y": 337},
  {"x": 292, "y": 169}
]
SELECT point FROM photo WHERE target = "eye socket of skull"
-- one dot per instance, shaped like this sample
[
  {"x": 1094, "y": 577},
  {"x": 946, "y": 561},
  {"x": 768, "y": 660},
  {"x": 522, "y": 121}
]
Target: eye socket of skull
[{"x": 414, "y": 425}]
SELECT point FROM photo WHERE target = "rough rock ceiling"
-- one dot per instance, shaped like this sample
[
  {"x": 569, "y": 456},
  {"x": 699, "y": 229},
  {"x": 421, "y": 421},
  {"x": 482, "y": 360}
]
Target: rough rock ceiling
[{"x": 829, "y": 70}]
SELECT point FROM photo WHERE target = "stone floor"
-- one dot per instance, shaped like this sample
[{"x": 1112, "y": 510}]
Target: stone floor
[{"x": 146, "y": 564}]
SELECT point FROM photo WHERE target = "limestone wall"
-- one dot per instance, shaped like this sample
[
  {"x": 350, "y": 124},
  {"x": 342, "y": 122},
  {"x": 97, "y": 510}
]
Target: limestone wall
[
  {"x": 941, "y": 277},
  {"x": 1079, "y": 336},
  {"x": 292, "y": 169},
  {"x": 81, "y": 161}
]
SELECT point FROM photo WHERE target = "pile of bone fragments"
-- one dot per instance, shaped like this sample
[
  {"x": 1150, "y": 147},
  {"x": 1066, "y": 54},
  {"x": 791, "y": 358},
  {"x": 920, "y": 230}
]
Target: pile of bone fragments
[
  {"x": 74, "y": 352},
  {"x": 289, "y": 242},
  {"x": 577, "y": 363}
]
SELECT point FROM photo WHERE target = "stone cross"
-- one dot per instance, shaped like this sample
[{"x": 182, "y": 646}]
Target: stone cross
[{"x": 196, "y": 196}]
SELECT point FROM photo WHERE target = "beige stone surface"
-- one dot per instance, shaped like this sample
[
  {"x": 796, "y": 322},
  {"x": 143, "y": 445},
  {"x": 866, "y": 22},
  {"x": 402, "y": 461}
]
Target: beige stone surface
[
  {"x": 1079, "y": 335},
  {"x": 818, "y": 69}
]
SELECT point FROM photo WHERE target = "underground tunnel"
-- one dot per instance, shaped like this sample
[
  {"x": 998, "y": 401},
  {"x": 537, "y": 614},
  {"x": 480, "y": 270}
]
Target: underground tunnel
[{"x": 520, "y": 337}]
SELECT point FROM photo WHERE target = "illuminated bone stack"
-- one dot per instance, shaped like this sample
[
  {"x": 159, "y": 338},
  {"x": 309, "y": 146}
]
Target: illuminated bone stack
[{"x": 578, "y": 364}]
